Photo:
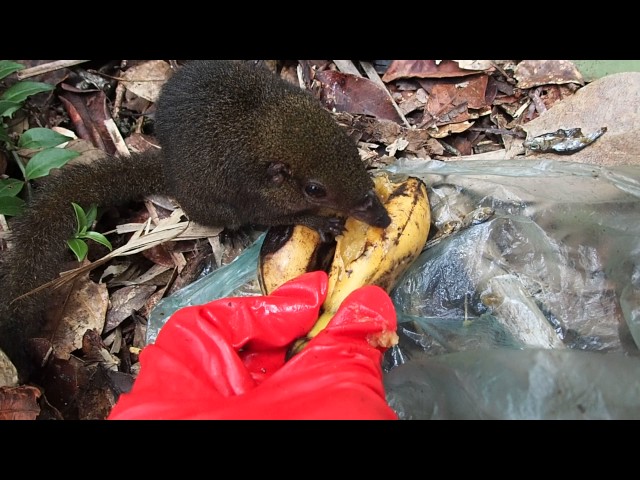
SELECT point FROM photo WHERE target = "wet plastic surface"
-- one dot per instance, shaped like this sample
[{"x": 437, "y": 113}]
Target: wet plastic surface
[{"x": 528, "y": 314}]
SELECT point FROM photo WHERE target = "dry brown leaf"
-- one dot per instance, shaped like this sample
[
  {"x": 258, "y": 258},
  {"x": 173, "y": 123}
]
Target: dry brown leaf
[
  {"x": 94, "y": 351},
  {"x": 448, "y": 129},
  {"x": 139, "y": 142},
  {"x": 478, "y": 65},
  {"x": 75, "y": 310},
  {"x": 19, "y": 403},
  {"x": 160, "y": 255},
  {"x": 424, "y": 69},
  {"x": 139, "y": 335},
  {"x": 133, "y": 103},
  {"x": 342, "y": 92},
  {"x": 146, "y": 79},
  {"x": 448, "y": 95},
  {"x": 533, "y": 73},
  {"x": 553, "y": 94},
  {"x": 420, "y": 142},
  {"x": 153, "y": 272},
  {"x": 124, "y": 302},
  {"x": 152, "y": 301},
  {"x": 462, "y": 144},
  {"x": 78, "y": 388},
  {"x": 409, "y": 101},
  {"x": 63, "y": 381},
  {"x": 289, "y": 74},
  {"x": 8, "y": 372},
  {"x": 88, "y": 112},
  {"x": 115, "y": 270},
  {"x": 97, "y": 397},
  {"x": 347, "y": 66}
]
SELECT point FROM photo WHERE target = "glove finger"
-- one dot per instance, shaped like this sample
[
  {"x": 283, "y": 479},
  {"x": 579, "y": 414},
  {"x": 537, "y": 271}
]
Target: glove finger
[
  {"x": 367, "y": 312},
  {"x": 273, "y": 321}
]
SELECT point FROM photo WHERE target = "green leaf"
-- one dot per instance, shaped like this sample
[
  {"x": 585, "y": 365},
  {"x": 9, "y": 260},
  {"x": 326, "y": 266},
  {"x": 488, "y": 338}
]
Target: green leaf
[
  {"x": 7, "y": 67},
  {"x": 7, "y": 108},
  {"x": 91, "y": 214},
  {"x": 98, "y": 237},
  {"x": 41, "y": 138},
  {"x": 79, "y": 248},
  {"x": 42, "y": 163},
  {"x": 81, "y": 219},
  {"x": 10, "y": 187},
  {"x": 21, "y": 90},
  {"x": 11, "y": 205}
]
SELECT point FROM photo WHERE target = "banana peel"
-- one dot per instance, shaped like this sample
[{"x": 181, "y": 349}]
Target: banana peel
[
  {"x": 364, "y": 255},
  {"x": 289, "y": 251}
]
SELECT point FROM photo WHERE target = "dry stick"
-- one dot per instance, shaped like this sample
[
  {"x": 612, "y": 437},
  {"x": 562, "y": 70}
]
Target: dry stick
[
  {"x": 47, "y": 67},
  {"x": 116, "y": 137},
  {"x": 117, "y": 103},
  {"x": 4, "y": 229},
  {"x": 375, "y": 78},
  {"x": 178, "y": 257},
  {"x": 137, "y": 243},
  {"x": 347, "y": 66}
]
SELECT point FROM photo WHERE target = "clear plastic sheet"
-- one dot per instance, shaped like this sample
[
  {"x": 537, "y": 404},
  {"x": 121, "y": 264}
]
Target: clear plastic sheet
[
  {"x": 522, "y": 316},
  {"x": 502, "y": 384},
  {"x": 544, "y": 293}
]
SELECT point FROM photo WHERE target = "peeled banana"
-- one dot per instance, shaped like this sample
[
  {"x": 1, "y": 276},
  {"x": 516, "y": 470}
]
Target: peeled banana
[{"x": 364, "y": 255}]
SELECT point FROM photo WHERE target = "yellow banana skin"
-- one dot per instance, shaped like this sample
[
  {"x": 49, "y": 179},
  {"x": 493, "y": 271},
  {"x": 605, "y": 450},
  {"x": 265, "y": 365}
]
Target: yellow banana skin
[{"x": 368, "y": 255}]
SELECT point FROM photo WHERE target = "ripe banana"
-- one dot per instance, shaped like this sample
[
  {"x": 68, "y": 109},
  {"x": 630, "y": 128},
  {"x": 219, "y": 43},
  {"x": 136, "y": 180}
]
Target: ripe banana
[
  {"x": 289, "y": 251},
  {"x": 364, "y": 255}
]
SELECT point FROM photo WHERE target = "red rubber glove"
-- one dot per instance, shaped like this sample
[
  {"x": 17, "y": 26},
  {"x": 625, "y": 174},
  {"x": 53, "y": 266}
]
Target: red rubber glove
[{"x": 226, "y": 359}]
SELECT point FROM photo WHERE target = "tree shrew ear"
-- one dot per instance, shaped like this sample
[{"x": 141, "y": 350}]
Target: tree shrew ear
[{"x": 278, "y": 171}]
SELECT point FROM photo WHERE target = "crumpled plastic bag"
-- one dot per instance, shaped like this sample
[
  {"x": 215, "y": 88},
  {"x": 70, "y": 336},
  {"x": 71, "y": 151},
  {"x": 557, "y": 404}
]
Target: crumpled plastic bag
[
  {"x": 550, "y": 280},
  {"x": 522, "y": 315}
]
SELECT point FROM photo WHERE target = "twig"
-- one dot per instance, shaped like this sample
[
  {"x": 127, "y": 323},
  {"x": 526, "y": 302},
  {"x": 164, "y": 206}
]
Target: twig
[
  {"x": 347, "y": 66},
  {"x": 124, "y": 79},
  {"x": 496, "y": 131},
  {"x": 116, "y": 137},
  {"x": 449, "y": 148},
  {"x": 537, "y": 101},
  {"x": 46, "y": 68},
  {"x": 522, "y": 108},
  {"x": 375, "y": 78},
  {"x": 137, "y": 243},
  {"x": 117, "y": 103}
]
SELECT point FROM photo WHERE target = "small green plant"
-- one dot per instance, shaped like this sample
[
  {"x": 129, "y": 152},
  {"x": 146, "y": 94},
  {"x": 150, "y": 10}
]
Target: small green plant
[
  {"x": 85, "y": 220},
  {"x": 49, "y": 156}
]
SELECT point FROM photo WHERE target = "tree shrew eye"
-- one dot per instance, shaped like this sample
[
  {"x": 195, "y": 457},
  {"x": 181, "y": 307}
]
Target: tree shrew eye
[{"x": 315, "y": 190}]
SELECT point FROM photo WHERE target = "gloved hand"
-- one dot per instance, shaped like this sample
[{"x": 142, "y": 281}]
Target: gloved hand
[{"x": 226, "y": 359}]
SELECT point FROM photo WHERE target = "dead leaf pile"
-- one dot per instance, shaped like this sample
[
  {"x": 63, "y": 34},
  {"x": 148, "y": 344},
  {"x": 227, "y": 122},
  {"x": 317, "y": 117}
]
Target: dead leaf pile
[{"x": 438, "y": 109}]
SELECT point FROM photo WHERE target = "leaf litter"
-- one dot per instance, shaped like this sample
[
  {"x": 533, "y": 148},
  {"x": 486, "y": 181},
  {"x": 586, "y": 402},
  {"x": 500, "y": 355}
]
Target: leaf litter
[{"x": 418, "y": 109}]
